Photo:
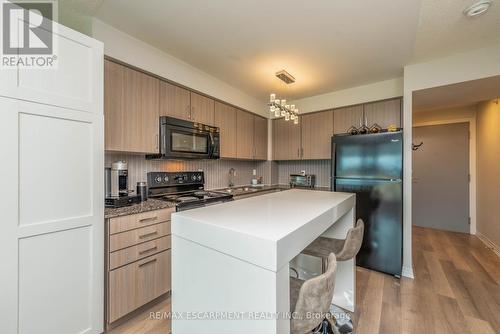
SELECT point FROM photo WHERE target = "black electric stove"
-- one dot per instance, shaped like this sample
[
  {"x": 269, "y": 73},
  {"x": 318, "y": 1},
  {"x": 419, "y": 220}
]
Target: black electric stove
[{"x": 186, "y": 189}]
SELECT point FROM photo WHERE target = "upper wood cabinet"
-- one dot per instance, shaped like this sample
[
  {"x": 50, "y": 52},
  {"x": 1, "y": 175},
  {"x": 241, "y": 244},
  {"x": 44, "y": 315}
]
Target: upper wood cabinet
[
  {"x": 225, "y": 119},
  {"x": 244, "y": 135},
  {"x": 384, "y": 113},
  {"x": 344, "y": 118},
  {"x": 286, "y": 140},
  {"x": 131, "y": 110},
  {"x": 113, "y": 106},
  {"x": 175, "y": 101},
  {"x": 260, "y": 138},
  {"x": 202, "y": 109},
  {"x": 181, "y": 103},
  {"x": 316, "y": 134}
]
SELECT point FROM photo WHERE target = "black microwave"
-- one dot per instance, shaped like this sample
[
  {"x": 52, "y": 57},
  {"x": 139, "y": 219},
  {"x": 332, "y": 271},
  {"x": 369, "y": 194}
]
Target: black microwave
[{"x": 181, "y": 139}]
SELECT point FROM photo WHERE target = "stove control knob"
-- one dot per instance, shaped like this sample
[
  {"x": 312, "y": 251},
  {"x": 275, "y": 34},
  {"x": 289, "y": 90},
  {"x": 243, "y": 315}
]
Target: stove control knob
[
  {"x": 193, "y": 177},
  {"x": 166, "y": 179},
  {"x": 158, "y": 179},
  {"x": 199, "y": 177}
]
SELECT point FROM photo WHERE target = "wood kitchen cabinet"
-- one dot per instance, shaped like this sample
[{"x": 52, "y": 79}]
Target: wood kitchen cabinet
[
  {"x": 344, "y": 118},
  {"x": 181, "y": 103},
  {"x": 202, "y": 109},
  {"x": 260, "y": 138},
  {"x": 384, "y": 113},
  {"x": 138, "y": 261},
  {"x": 131, "y": 110},
  {"x": 225, "y": 120},
  {"x": 316, "y": 134},
  {"x": 175, "y": 101},
  {"x": 286, "y": 140},
  {"x": 244, "y": 135}
]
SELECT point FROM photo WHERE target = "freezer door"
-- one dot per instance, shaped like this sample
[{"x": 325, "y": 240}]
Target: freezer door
[
  {"x": 379, "y": 204},
  {"x": 376, "y": 156}
]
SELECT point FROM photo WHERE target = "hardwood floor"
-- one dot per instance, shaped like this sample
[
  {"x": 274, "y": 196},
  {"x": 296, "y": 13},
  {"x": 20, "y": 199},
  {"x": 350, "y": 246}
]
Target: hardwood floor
[{"x": 456, "y": 290}]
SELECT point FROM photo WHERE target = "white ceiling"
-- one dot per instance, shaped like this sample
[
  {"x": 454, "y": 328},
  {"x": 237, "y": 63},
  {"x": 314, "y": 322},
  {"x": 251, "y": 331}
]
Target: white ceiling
[
  {"x": 326, "y": 44},
  {"x": 444, "y": 30},
  {"x": 460, "y": 94}
]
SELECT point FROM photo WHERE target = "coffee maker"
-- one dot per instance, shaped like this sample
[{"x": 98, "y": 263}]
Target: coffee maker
[
  {"x": 119, "y": 179},
  {"x": 116, "y": 180}
]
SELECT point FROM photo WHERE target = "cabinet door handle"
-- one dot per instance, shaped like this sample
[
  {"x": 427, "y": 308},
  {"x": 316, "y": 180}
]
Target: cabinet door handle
[
  {"x": 298, "y": 153},
  {"x": 188, "y": 111},
  {"x": 148, "y": 235},
  {"x": 193, "y": 113},
  {"x": 145, "y": 220},
  {"x": 148, "y": 250},
  {"x": 147, "y": 262},
  {"x": 157, "y": 140}
]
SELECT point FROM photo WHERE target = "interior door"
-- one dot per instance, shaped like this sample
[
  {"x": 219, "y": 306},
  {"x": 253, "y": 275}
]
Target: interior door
[
  {"x": 441, "y": 177},
  {"x": 52, "y": 203}
]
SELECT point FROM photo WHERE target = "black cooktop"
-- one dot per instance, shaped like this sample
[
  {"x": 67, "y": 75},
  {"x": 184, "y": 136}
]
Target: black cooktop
[{"x": 186, "y": 189}]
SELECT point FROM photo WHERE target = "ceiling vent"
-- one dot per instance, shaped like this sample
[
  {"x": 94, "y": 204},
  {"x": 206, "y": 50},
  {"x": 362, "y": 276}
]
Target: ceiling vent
[
  {"x": 477, "y": 8},
  {"x": 285, "y": 77}
]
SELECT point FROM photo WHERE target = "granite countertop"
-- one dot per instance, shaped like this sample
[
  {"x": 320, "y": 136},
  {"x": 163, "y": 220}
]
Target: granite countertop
[
  {"x": 154, "y": 204},
  {"x": 149, "y": 205}
]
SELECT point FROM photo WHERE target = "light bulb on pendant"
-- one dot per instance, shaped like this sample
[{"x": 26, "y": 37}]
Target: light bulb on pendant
[
  {"x": 283, "y": 103},
  {"x": 271, "y": 109},
  {"x": 283, "y": 111},
  {"x": 277, "y": 112},
  {"x": 287, "y": 116},
  {"x": 292, "y": 117},
  {"x": 296, "y": 120},
  {"x": 272, "y": 97}
]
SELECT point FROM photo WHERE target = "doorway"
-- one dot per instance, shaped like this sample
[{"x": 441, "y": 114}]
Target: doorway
[{"x": 441, "y": 177}]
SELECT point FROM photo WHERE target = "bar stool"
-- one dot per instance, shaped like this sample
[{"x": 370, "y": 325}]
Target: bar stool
[
  {"x": 312, "y": 297},
  {"x": 344, "y": 249}
]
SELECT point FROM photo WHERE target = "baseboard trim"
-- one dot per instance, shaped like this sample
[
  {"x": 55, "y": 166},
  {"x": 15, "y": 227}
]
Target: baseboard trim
[
  {"x": 490, "y": 244},
  {"x": 407, "y": 272}
]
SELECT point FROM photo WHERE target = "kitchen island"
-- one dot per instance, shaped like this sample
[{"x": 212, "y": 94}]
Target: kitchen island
[{"x": 230, "y": 262}]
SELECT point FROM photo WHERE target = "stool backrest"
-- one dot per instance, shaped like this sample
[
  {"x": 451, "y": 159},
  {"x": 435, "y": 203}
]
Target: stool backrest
[
  {"x": 315, "y": 298},
  {"x": 353, "y": 242}
]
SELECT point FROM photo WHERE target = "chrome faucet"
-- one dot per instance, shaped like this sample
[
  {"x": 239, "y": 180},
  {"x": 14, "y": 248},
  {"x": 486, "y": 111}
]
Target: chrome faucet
[{"x": 232, "y": 173}]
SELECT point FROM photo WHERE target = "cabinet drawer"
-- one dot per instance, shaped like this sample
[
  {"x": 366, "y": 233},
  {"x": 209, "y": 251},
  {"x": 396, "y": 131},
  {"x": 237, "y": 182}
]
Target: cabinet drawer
[
  {"x": 140, "y": 235},
  {"x": 138, "y": 283},
  {"x": 126, "y": 223},
  {"x": 137, "y": 252}
]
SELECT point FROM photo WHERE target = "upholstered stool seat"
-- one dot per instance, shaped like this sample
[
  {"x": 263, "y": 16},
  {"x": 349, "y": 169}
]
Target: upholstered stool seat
[
  {"x": 344, "y": 249},
  {"x": 313, "y": 296}
]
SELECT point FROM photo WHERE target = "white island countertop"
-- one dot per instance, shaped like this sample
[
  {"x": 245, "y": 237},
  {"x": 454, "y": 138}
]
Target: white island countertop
[{"x": 267, "y": 230}]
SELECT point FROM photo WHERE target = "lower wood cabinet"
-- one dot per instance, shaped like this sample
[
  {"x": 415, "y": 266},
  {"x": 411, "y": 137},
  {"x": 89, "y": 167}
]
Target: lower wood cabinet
[
  {"x": 138, "y": 261},
  {"x": 138, "y": 283}
]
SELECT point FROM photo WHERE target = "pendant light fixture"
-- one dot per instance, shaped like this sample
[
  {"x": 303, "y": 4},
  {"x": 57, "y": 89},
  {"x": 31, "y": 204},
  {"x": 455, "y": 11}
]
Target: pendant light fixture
[{"x": 280, "y": 108}]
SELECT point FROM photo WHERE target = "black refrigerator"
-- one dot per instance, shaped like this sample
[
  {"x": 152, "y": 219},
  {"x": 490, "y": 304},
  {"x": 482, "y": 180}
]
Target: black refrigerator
[{"x": 371, "y": 166}]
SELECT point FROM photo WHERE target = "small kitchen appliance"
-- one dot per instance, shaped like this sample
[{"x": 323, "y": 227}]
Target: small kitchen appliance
[
  {"x": 119, "y": 179},
  {"x": 302, "y": 180},
  {"x": 180, "y": 139},
  {"x": 185, "y": 189}
]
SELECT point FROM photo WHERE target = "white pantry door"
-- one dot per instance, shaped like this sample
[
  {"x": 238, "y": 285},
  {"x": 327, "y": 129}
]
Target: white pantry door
[{"x": 51, "y": 198}]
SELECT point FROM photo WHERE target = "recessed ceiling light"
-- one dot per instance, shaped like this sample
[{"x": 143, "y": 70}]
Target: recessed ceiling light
[{"x": 477, "y": 8}]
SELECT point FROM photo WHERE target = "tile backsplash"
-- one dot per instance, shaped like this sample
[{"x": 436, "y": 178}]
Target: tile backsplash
[
  {"x": 217, "y": 171},
  {"x": 320, "y": 168}
]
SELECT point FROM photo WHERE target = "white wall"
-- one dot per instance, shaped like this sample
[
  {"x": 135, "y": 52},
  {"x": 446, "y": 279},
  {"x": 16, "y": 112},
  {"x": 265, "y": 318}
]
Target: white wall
[
  {"x": 132, "y": 51},
  {"x": 472, "y": 65},
  {"x": 361, "y": 94}
]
